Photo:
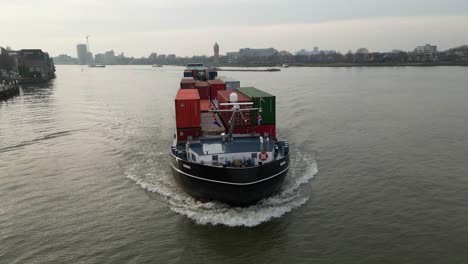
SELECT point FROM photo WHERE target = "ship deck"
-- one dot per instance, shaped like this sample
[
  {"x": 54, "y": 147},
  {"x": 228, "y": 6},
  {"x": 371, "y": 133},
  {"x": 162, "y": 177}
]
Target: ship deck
[
  {"x": 215, "y": 146},
  {"x": 209, "y": 127}
]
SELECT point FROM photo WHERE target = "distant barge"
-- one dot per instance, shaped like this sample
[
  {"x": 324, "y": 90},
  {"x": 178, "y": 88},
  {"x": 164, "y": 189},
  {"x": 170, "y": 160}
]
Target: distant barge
[
  {"x": 225, "y": 146},
  {"x": 251, "y": 70}
]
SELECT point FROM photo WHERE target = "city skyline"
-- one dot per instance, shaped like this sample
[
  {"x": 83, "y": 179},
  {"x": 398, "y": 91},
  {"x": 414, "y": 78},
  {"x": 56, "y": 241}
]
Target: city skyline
[{"x": 142, "y": 27}]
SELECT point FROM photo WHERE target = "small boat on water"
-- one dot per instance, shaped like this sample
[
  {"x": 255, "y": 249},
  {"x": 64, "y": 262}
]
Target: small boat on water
[
  {"x": 157, "y": 65},
  {"x": 285, "y": 65},
  {"x": 96, "y": 66},
  {"x": 225, "y": 147}
]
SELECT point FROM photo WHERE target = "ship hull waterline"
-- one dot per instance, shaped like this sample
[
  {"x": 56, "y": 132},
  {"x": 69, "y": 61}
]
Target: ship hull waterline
[{"x": 233, "y": 186}]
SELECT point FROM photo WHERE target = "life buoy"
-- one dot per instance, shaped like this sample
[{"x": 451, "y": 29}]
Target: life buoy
[{"x": 263, "y": 156}]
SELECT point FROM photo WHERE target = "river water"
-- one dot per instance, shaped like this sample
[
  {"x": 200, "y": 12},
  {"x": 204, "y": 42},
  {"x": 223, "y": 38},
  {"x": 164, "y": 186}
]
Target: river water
[{"x": 379, "y": 171}]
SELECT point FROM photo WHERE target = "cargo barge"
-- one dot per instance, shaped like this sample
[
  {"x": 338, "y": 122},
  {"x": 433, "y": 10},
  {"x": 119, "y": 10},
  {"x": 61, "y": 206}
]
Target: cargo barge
[{"x": 225, "y": 146}]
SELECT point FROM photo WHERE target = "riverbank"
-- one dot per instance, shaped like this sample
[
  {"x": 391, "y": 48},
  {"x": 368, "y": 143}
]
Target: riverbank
[{"x": 406, "y": 64}]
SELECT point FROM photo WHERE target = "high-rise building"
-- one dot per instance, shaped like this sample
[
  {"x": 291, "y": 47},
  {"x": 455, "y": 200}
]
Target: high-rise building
[
  {"x": 171, "y": 59},
  {"x": 216, "y": 54},
  {"x": 161, "y": 59},
  {"x": 82, "y": 54}
]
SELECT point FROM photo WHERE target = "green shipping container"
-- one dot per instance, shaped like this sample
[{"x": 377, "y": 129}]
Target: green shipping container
[{"x": 262, "y": 100}]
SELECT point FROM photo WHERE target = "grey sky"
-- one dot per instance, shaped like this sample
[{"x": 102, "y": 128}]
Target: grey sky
[{"x": 187, "y": 27}]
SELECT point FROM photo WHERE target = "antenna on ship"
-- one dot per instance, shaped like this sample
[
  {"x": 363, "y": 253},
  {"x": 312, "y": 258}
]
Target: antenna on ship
[{"x": 233, "y": 98}]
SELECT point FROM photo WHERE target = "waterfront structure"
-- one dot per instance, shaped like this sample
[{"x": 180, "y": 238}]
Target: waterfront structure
[
  {"x": 216, "y": 54},
  {"x": 82, "y": 54},
  {"x": 8, "y": 60},
  {"x": 34, "y": 66}
]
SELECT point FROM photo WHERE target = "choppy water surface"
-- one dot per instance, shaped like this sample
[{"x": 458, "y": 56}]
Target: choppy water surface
[{"x": 85, "y": 176}]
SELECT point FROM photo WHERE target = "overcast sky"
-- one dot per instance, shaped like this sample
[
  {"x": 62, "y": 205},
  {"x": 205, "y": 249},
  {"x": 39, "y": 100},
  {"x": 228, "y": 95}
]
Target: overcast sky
[{"x": 186, "y": 27}]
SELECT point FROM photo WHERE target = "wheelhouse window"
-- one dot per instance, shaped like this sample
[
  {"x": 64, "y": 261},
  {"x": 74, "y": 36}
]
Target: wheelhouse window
[
  {"x": 254, "y": 155},
  {"x": 194, "y": 158},
  {"x": 214, "y": 157}
]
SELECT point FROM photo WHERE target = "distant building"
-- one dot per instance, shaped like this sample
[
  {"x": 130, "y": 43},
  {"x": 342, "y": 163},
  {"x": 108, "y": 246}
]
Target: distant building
[
  {"x": 232, "y": 57},
  {"x": 426, "y": 49},
  {"x": 171, "y": 59},
  {"x": 8, "y": 60},
  {"x": 65, "y": 59},
  {"x": 89, "y": 58},
  {"x": 99, "y": 58},
  {"x": 109, "y": 57},
  {"x": 161, "y": 59},
  {"x": 247, "y": 52},
  {"x": 315, "y": 51},
  {"x": 424, "y": 53},
  {"x": 152, "y": 57},
  {"x": 362, "y": 51},
  {"x": 216, "y": 54},
  {"x": 82, "y": 54},
  {"x": 34, "y": 65},
  {"x": 303, "y": 52}
]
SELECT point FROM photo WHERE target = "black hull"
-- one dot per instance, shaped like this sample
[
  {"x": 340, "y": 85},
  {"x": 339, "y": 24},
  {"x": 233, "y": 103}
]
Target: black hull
[{"x": 234, "y": 186}]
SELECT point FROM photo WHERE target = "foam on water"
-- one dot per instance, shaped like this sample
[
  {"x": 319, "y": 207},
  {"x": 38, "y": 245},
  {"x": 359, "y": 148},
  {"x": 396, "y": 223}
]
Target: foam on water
[{"x": 154, "y": 175}]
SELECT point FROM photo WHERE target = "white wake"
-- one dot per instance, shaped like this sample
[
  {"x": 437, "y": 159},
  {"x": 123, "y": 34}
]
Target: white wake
[{"x": 156, "y": 177}]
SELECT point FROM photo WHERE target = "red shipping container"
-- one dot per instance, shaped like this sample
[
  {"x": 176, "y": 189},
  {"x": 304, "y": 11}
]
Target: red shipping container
[
  {"x": 205, "y": 105},
  {"x": 262, "y": 129},
  {"x": 187, "y": 108},
  {"x": 203, "y": 90},
  {"x": 195, "y": 74},
  {"x": 223, "y": 97},
  {"x": 183, "y": 133},
  {"x": 215, "y": 86},
  {"x": 187, "y": 83}
]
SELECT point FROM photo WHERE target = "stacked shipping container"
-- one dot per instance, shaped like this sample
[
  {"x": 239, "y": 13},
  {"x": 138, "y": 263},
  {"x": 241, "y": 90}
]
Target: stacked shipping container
[
  {"x": 187, "y": 83},
  {"x": 263, "y": 100},
  {"x": 188, "y": 73},
  {"x": 188, "y": 116},
  {"x": 215, "y": 86},
  {"x": 267, "y": 103},
  {"x": 194, "y": 98},
  {"x": 231, "y": 84},
  {"x": 203, "y": 90},
  {"x": 223, "y": 97}
]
